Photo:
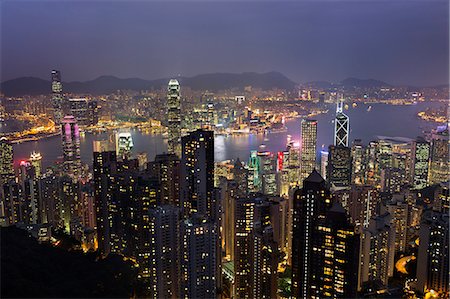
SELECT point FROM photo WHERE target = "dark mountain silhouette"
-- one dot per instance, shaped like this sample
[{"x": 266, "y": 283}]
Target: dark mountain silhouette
[
  {"x": 108, "y": 84},
  {"x": 364, "y": 83}
]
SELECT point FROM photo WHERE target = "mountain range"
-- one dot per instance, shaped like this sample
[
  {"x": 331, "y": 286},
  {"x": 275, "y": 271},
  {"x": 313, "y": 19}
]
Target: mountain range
[{"x": 108, "y": 84}]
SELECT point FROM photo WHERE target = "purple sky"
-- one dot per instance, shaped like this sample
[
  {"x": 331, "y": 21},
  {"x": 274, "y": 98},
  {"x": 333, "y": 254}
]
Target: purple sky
[{"x": 401, "y": 42}]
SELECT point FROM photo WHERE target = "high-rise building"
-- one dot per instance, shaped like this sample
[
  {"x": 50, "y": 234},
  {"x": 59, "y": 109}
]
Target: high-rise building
[
  {"x": 293, "y": 163},
  {"x": 6, "y": 162},
  {"x": 323, "y": 164},
  {"x": 166, "y": 168},
  {"x": 358, "y": 162},
  {"x": 268, "y": 173},
  {"x": 70, "y": 134},
  {"x": 199, "y": 260},
  {"x": 339, "y": 172},
  {"x": 440, "y": 162},
  {"x": 163, "y": 259},
  {"x": 325, "y": 251},
  {"x": 377, "y": 251},
  {"x": 420, "y": 163},
  {"x": 174, "y": 117},
  {"x": 124, "y": 145},
  {"x": 197, "y": 173},
  {"x": 57, "y": 97},
  {"x": 36, "y": 162},
  {"x": 308, "y": 141},
  {"x": 84, "y": 110},
  {"x": 398, "y": 208},
  {"x": 341, "y": 126},
  {"x": 433, "y": 258}
]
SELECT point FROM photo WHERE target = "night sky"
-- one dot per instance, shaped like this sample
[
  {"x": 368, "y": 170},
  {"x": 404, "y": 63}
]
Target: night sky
[{"x": 401, "y": 42}]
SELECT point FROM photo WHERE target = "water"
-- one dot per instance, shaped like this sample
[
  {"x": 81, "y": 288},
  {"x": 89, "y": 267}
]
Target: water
[{"x": 384, "y": 120}]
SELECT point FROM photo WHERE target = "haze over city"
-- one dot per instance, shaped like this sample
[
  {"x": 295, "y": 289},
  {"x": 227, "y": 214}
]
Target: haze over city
[{"x": 400, "y": 42}]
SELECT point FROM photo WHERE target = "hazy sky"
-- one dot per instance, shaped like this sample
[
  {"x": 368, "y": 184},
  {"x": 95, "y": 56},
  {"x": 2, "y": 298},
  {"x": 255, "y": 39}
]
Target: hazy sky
[{"x": 404, "y": 42}]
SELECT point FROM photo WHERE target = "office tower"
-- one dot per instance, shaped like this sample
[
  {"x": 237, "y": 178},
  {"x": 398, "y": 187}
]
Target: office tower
[
  {"x": 293, "y": 163},
  {"x": 253, "y": 167},
  {"x": 79, "y": 108},
  {"x": 371, "y": 176},
  {"x": 199, "y": 260},
  {"x": 255, "y": 250},
  {"x": 104, "y": 167},
  {"x": 50, "y": 200},
  {"x": 29, "y": 193},
  {"x": 166, "y": 168},
  {"x": 240, "y": 176},
  {"x": 420, "y": 163},
  {"x": 268, "y": 173},
  {"x": 377, "y": 251},
  {"x": 229, "y": 193},
  {"x": 440, "y": 163},
  {"x": 6, "y": 161},
  {"x": 361, "y": 204},
  {"x": 163, "y": 259},
  {"x": 339, "y": 172},
  {"x": 433, "y": 258},
  {"x": 197, "y": 173},
  {"x": 335, "y": 259},
  {"x": 399, "y": 210},
  {"x": 325, "y": 247},
  {"x": 70, "y": 135},
  {"x": 393, "y": 179},
  {"x": 11, "y": 203},
  {"x": 70, "y": 199},
  {"x": 174, "y": 117},
  {"x": 323, "y": 164},
  {"x": 308, "y": 142},
  {"x": 57, "y": 97},
  {"x": 310, "y": 203},
  {"x": 341, "y": 126},
  {"x": 124, "y": 145},
  {"x": 36, "y": 162},
  {"x": 358, "y": 162}
]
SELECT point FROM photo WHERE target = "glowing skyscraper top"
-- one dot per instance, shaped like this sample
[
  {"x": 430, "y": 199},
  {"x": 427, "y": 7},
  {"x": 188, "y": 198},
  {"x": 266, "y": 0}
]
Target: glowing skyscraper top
[
  {"x": 174, "y": 118},
  {"x": 341, "y": 126},
  {"x": 57, "y": 97}
]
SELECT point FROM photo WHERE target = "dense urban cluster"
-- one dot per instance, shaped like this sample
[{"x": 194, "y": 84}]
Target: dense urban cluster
[{"x": 366, "y": 219}]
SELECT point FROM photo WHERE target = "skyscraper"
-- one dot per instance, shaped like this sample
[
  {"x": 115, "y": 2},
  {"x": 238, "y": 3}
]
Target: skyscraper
[
  {"x": 36, "y": 162},
  {"x": 57, "y": 97},
  {"x": 124, "y": 145},
  {"x": 6, "y": 161},
  {"x": 439, "y": 164},
  {"x": 339, "y": 172},
  {"x": 166, "y": 168},
  {"x": 70, "y": 134},
  {"x": 174, "y": 117},
  {"x": 197, "y": 173},
  {"x": 341, "y": 126},
  {"x": 310, "y": 203},
  {"x": 358, "y": 162},
  {"x": 308, "y": 143},
  {"x": 420, "y": 162}
]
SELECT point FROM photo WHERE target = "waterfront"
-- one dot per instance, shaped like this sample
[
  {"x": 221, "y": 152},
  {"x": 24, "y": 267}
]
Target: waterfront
[{"x": 382, "y": 119}]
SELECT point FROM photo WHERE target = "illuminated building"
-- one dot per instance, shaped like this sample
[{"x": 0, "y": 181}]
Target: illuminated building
[
  {"x": 433, "y": 258},
  {"x": 440, "y": 163},
  {"x": 51, "y": 205},
  {"x": 358, "y": 162},
  {"x": 310, "y": 203},
  {"x": 393, "y": 179},
  {"x": 323, "y": 164},
  {"x": 371, "y": 176},
  {"x": 229, "y": 197},
  {"x": 255, "y": 251},
  {"x": 6, "y": 161},
  {"x": 240, "y": 176},
  {"x": 339, "y": 172},
  {"x": 308, "y": 141},
  {"x": 268, "y": 173},
  {"x": 253, "y": 167},
  {"x": 36, "y": 162},
  {"x": 11, "y": 203},
  {"x": 166, "y": 168},
  {"x": 85, "y": 111},
  {"x": 70, "y": 201},
  {"x": 104, "y": 166},
  {"x": 197, "y": 173},
  {"x": 142, "y": 161},
  {"x": 200, "y": 263},
  {"x": 325, "y": 249},
  {"x": 29, "y": 193},
  {"x": 163, "y": 258},
  {"x": 70, "y": 134},
  {"x": 124, "y": 145},
  {"x": 377, "y": 251},
  {"x": 398, "y": 208},
  {"x": 420, "y": 163},
  {"x": 57, "y": 97},
  {"x": 341, "y": 126},
  {"x": 174, "y": 117}
]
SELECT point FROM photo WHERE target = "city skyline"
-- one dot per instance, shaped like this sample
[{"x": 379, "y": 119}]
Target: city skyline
[{"x": 308, "y": 41}]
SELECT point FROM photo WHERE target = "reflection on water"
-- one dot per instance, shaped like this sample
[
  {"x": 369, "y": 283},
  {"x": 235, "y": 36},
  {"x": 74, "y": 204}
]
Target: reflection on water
[{"x": 382, "y": 119}]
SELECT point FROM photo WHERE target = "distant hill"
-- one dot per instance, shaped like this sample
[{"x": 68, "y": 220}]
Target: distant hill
[
  {"x": 108, "y": 84},
  {"x": 363, "y": 83}
]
